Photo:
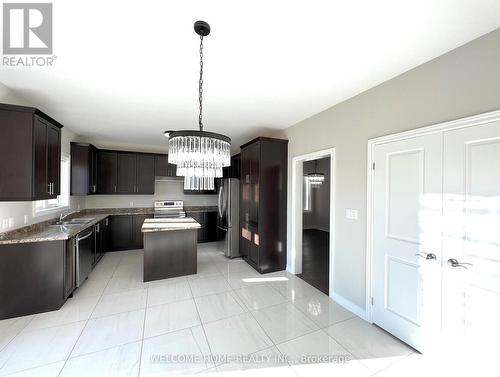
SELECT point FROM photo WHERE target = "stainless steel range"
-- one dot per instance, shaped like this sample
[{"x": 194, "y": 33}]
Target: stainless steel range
[{"x": 169, "y": 208}]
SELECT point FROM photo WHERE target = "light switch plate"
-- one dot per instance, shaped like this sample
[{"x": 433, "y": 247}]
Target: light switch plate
[{"x": 351, "y": 214}]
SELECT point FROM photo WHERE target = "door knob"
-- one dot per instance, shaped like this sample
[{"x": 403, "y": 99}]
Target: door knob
[
  {"x": 454, "y": 263},
  {"x": 426, "y": 255}
]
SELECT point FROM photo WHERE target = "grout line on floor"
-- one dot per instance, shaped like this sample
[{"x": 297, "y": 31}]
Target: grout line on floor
[
  {"x": 143, "y": 329},
  {"x": 83, "y": 329},
  {"x": 202, "y": 327},
  {"x": 17, "y": 334}
]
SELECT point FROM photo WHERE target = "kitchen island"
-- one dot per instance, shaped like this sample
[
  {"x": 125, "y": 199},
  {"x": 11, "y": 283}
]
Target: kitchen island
[{"x": 170, "y": 247}]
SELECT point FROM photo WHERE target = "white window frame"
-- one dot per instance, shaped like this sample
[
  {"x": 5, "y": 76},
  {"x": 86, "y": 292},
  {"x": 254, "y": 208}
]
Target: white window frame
[{"x": 49, "y": 206}]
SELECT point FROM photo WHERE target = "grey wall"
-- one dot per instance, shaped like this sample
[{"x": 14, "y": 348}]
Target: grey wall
[
  {"x": 319, "y": 216},
  {"x": 463, "y": 82}
]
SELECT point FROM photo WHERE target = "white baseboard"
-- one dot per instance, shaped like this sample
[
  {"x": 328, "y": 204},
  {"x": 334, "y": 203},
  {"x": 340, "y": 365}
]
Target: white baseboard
[{"x": 349, "y": 305}]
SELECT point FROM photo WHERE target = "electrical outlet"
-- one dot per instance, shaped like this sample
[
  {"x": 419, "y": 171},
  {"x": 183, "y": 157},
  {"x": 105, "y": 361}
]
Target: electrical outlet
[
  {"x": 25, "y": 219},
  {"x": 131, "y": 204},
  {"x": 351, "y": 214},
  {"x": 5, "y": 223},
  {"x": 11, "y": 222}
]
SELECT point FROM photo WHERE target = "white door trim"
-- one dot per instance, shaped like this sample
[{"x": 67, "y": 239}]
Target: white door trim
[
  {"x": 471, "y": 121},
  {"x": 296, "y": 219}
]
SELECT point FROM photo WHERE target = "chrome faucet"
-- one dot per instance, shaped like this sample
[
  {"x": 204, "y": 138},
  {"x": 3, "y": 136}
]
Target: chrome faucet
[{"x": 63, "y": 215}]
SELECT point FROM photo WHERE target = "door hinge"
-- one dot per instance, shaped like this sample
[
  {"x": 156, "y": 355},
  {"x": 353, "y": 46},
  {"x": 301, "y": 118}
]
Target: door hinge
[
  {"x": 372, "y": 301},
  {"x": 373, "y": 166}
]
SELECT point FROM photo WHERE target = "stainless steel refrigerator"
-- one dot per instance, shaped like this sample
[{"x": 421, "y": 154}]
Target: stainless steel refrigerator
[{"x": 228, "y": 207}]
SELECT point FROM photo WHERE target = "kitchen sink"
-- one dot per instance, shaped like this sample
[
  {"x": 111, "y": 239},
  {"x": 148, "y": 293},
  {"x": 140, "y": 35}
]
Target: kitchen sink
[
  {"x": 81, "y": 220},
  {"x": 77, "y": 221}
]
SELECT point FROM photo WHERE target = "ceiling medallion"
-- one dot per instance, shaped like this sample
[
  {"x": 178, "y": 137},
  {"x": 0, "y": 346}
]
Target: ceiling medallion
[{"x": 199, "y": 155}]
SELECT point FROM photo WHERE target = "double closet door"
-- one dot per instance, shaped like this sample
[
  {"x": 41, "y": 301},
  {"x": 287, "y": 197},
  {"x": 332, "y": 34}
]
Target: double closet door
[{"x": 436, "y": 237}]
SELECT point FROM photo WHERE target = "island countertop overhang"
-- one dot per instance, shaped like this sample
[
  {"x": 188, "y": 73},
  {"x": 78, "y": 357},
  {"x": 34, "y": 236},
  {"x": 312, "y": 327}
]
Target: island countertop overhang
[{"x": 169, "y": 224}]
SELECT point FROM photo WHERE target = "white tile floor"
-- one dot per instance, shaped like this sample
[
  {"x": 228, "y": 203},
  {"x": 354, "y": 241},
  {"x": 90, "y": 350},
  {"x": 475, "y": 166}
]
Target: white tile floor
[{"x": 116, "y": 325}]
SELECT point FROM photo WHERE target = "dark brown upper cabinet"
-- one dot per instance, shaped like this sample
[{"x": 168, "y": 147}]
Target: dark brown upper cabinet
[
  {"x": 107, "y": 163},
  {"x": 83, "y": 169},
  {"x": 249, "y": 185},
  {"x": 125, "y": 173},
  {"x": 163, "y": 168},
  {"x": 263, "y": 193},
  {"x": 126, "y": 182},
  {"x": 233, "y": 171},
  {"x": 30, "y": 154},
  {"x": 93, "y": 161},
  {"x": 145, "y": 174}
]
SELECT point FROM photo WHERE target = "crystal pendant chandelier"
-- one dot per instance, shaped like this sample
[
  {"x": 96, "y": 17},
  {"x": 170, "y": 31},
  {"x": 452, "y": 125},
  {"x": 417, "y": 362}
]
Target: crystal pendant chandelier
[
  {"x": 199, "y": 155},
  {"x": 315, "y": 179}
]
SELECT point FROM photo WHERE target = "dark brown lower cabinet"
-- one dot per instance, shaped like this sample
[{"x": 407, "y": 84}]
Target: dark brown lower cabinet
[
  {"x": 249, "y": 243},
  {"x": 38, "y": 277},
  {"x": 69, "y": 268},
  {"x": 125, "y": 232},
  {"x": 178, "y": 259},
  {"x": 208, "y": 222},
  {"x": 137, "y": 236},
  {"x": 120, "y": 232},
  {"x": 101, "y": 240},
  {"x": 31, "y": 278}
]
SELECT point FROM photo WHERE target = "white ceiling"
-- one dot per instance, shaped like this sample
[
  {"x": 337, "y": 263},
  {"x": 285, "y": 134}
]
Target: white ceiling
[{"x": 127, "y": 70}]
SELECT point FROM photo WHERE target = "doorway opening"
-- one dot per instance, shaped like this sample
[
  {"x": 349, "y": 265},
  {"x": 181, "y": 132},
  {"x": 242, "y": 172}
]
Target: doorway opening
[
  {"x": 312, "y": 232},
  {"x": 316, "y": 223}
]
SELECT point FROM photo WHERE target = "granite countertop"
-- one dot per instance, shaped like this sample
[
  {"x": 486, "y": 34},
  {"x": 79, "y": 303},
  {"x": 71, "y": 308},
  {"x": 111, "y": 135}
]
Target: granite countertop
[
  {"x": 200, "y": 208},
  {"x": 169, "y": 224},
  {"x": 50, "y": 232},
  {"x": 119, "y": 211}
]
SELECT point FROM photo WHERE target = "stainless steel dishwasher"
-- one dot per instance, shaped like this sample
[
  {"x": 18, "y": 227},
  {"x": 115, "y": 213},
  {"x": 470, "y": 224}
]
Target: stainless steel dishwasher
[{"x": 84, "y": 250}]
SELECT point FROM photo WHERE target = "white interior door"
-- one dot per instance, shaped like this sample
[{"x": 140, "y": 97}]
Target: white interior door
[
  {"x": 407, "y": 205},
  {"x": 471, "y": 236}
]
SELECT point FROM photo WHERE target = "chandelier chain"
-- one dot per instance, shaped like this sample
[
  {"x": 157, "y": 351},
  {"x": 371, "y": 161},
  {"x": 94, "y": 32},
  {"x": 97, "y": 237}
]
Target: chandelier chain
[{"x": 200, "y": 85}]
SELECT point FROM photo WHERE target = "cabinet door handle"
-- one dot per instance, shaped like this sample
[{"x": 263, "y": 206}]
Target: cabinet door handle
[{"x": 115, "y": 188}]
